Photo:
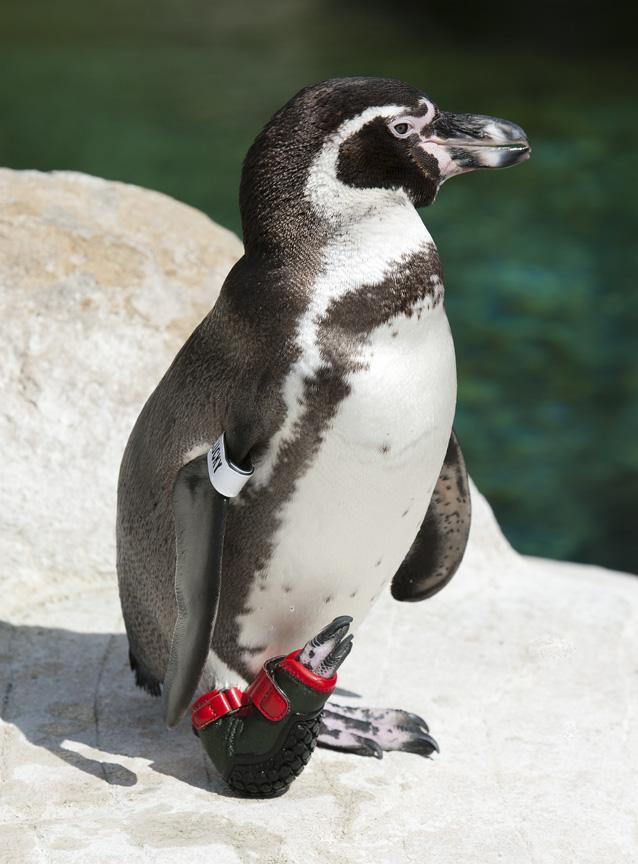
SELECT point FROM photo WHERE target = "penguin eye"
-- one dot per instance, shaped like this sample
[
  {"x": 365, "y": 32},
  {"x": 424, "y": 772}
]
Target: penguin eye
[{"x": 400, "y": 129}]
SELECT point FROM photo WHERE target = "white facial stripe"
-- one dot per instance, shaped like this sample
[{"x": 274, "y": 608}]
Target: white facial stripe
[
  {"x": 334, "y": 200},
  {"x": 418, "y": 122},
  {"x": 356, "y": 123},
  {"x": 423, "y": 120},
  {"x": 431, "y": 111}
]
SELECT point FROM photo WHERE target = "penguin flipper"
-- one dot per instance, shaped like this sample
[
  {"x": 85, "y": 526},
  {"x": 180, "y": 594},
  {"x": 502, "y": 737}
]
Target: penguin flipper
[
  {"x": 200, "y": 519},
  {"x": 438, "y": 548}
]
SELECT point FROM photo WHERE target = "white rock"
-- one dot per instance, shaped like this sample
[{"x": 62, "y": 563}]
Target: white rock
[
  {"x": 525, "y": 669},
  {"x": 100, "y": 283}
]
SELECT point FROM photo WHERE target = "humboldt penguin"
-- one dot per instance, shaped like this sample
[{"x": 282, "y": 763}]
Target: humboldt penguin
[{"x": 326, "y": 373}]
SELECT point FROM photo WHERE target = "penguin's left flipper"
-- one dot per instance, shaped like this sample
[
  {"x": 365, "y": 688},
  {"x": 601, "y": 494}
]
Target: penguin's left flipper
[
  {"x": 200, "y": 498},
  {"x": 371, "y": 731},
  {"x": 438, "y": 548},
  {"x": 200, "y": 517}
]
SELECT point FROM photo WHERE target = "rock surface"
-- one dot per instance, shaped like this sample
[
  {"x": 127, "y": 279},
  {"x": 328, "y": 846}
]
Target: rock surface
[{"x": 525, "y": 669}]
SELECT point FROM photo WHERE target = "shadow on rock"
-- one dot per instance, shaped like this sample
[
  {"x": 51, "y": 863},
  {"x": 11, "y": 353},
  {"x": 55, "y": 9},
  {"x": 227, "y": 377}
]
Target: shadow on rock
[{"x": 73, "y": 693}]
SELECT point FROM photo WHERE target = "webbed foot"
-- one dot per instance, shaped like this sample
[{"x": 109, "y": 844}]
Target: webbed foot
[{"x": 371, "y": 731}]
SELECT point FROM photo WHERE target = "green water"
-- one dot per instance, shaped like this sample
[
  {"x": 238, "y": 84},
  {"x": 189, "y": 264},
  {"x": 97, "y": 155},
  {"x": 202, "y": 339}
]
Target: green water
[{"x": 539, "y": 261}]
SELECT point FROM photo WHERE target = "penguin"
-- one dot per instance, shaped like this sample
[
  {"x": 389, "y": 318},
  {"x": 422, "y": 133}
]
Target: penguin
[{"x": 326, "y": 373}]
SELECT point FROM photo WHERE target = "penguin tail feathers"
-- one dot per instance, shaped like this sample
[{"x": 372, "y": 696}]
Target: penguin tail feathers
[{"x": 143, "y": 677}]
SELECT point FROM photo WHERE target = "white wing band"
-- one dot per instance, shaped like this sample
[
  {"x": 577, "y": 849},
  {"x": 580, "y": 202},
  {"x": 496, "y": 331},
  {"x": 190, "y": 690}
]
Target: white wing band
[{"x": 226, "y": 477}]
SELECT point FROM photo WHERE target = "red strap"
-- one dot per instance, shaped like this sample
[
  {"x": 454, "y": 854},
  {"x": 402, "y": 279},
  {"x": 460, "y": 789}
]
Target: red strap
[
  {"x": 265, "y": 696},
  {"x": 310, "y": 679},
  {"x": 263, "y": 693},
  {"x": 215, "y": 704}
]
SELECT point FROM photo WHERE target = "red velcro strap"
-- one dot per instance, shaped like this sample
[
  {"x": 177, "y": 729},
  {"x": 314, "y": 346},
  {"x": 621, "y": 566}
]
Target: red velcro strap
[
  {"x": 310, "y": 679},
  {"x": 263, "y": 693},
  {"x": 267, "y": 698},
  {"x": 215, "y": 704}
]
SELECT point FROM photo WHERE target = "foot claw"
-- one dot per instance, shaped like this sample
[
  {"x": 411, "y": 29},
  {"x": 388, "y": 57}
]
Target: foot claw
[
  {"x": 425, "y": 745},
  {"x": 417, "y": 721},
  {"x": 342, "y": 622},
  {"x": 370, "y": 748},
  {"x": 326, "y": 651}
]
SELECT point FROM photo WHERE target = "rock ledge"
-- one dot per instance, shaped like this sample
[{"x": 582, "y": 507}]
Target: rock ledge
[{"x": 525, "y": 669}]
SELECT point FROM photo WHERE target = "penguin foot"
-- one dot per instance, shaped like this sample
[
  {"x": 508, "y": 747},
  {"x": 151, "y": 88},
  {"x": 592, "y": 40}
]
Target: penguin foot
[
  {"x": 326, "y": 651},
  {"x": 261, "y": 739},
  {"x": 371, "y": 731}
]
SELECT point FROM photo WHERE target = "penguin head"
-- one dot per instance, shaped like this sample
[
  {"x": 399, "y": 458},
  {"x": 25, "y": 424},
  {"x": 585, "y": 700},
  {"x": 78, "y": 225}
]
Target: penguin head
[
  {"x": 416, "y": 147},
  {"x": 342, "y": 148}
]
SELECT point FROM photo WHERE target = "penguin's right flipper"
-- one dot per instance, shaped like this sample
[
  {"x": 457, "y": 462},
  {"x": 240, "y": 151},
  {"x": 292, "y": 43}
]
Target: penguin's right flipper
[{"x": 200, "y": 517}]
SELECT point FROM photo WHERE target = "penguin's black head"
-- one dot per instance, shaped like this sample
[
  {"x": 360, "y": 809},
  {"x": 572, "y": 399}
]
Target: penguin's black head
[{"x": 351, "y": 145}]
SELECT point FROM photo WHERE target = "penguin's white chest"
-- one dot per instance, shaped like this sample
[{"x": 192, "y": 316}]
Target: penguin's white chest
[{"x": 356, "y": 510}]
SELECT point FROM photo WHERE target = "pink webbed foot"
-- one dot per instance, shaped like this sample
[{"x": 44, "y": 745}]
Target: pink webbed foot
[{"x": 373, "y": 731}]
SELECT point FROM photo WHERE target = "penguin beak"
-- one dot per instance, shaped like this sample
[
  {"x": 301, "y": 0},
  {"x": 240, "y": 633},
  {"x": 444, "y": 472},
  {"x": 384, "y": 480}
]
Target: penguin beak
[{"x": 465, "y": 142}]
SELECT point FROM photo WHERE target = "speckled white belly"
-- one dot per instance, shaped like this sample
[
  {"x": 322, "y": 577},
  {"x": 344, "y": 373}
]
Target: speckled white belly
[{"x": 356, "y": 511}]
